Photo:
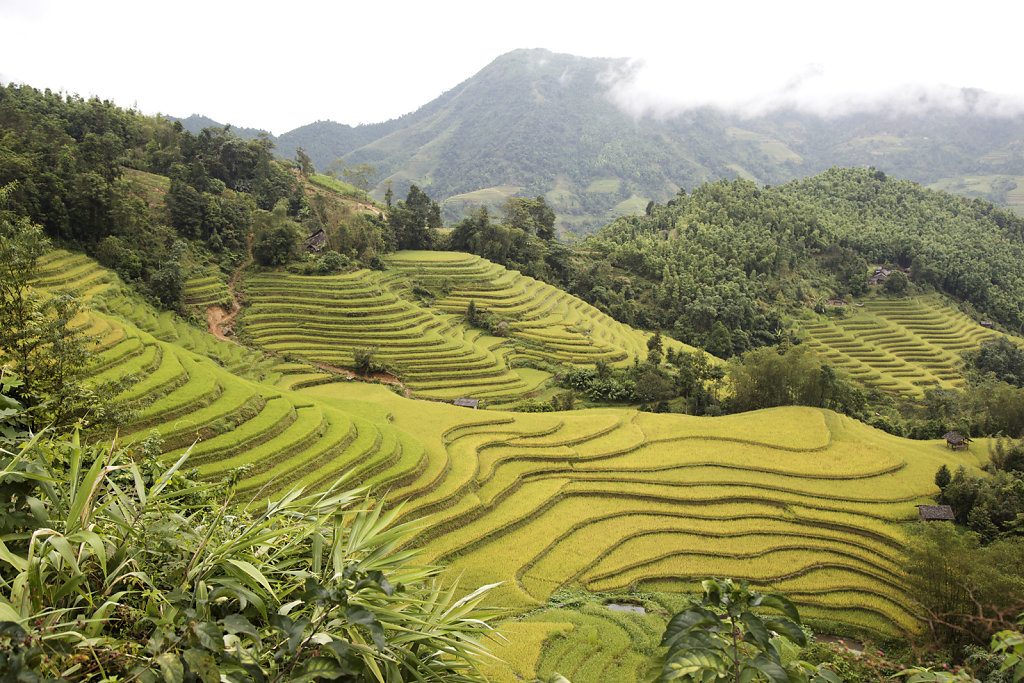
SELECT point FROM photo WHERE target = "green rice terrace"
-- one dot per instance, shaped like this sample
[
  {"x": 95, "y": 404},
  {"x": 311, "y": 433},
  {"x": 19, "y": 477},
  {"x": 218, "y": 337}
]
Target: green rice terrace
[
  {"x": 413, "y": 316},
  {"x": 609, "y": 501},
  {"x": 900, "y": 345}
]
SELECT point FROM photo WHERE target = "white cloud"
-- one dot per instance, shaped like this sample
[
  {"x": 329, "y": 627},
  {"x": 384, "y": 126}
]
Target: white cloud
[{"x": 280, "y": 65}]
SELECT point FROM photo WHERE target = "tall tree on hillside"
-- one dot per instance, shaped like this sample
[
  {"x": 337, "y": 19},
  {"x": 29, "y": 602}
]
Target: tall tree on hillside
[
  {"x": 305, "y": 163},
  {"x": 530, "y": 215},
  {"x": 361, "y": 176},
  {"x": 48, "y": 356},
  {"x": 413, "y": 220}
]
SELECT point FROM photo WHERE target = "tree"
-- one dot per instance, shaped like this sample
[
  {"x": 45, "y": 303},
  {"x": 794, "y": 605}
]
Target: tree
[
  {"x": 1000, "y": 357},
  {"x": 896, "y": 283},
  {"x": 965, "y": 592},
  {"x": 35, "y": 337},
  {"x": 654, "y": 349},
  {"x": 276, "y": 246},
  {"x": 305, "y": 163},
  {"x": 361, "y": 176},
  {"x": 532, "y": 216},
  {"x": 943, "y": 477},
  {"x": 413, "y": 220},
  {"x": 722, "y": 637},
  {"x": 277, "y": 240},
  {"x": 364, "y": 360}
]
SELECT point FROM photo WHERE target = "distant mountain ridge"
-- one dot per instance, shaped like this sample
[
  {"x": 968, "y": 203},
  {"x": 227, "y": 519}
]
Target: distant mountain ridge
[
  {"x": 535, "y": 122},
  {"x": 196, "y": 122}
]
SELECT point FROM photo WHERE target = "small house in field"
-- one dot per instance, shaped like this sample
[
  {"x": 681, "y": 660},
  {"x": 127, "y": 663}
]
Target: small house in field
[
  {"x": 468, "y": 402},
  {"x": 879, "y": 277},
  {"x": 956, "y": 441},
  {"x": 934, "y": 513},
  {"x": 315, "y": 242}
]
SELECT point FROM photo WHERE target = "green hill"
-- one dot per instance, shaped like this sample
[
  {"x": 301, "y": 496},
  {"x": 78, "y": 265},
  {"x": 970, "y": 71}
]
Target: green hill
[{"x": 535, "y": 122}]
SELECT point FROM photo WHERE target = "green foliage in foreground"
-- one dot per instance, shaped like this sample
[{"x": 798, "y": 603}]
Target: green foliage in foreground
[
  {"x": 116, "y": 570},
  {"x": 724, "y": 638}
]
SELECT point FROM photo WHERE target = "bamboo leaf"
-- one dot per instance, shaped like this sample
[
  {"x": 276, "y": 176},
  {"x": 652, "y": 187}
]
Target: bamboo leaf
[
  {"x": 251, "y": 572},
  {"x": 7, "y": 611},
  {"x": 77, "y": 514},
  {"x": 16, "y": 561}
]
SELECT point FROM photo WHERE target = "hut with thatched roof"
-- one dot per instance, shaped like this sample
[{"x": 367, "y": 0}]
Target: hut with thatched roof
[
  {"x": 956, "y": 441},
  {"x": 935, "y": 513}
]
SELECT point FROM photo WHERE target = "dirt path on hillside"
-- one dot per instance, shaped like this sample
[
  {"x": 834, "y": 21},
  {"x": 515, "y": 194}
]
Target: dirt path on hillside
[
  {"x": 219, "y": 322},
  {"x": 382, "y": 377}
]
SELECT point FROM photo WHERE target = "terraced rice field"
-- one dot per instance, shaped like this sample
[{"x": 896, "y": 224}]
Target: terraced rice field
[
  {"x": 798, "y": 500},
  {"x": 547, "y": 323},
  {"x": 232, "y": 403},
  {"x": 208, "y": 290},
  {"x": 327, "y": 319},
  {"x": 900, "y": 345}
]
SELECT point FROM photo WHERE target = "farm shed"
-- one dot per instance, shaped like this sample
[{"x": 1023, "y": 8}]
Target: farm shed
[
  {"x": 956, "y": 441},
  {"x": 879, "y": 277},
  {"x": 934, "y": 513},
  {"x": 316, "y": 241},
  {"x": 467, "y": 402}
]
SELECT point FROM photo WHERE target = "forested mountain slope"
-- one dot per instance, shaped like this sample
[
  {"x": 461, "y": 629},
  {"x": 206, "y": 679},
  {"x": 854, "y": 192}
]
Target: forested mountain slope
[
  {"x": 722, "y": 266},
  {"x": 534, "y": 122}
]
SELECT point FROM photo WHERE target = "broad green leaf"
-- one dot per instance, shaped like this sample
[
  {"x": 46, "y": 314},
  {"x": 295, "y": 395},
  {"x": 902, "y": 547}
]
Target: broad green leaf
[
  {"x": 783, "y": 605},
  {"x": 7, "y": 611},
  {"x": 787, "y": 629},
  {"x": 758, "y": 634},
  {"x": 236, "y": 623},
  {"x": 825, "y": 675},
  {"x": 774, "y": 672},
  {"x": 16, "y": 561},
  {"x": 317, "y": 668},
  {"x": 202, "y": 664},
  {"x": 171, "y": 668},
  {"x": 692, "y": 663},
  {"x": 210, "y": 636}
]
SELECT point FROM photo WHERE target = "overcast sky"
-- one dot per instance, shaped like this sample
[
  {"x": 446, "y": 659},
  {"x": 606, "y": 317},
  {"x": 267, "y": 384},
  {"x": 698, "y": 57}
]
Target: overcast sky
[{"x": 279, "y": 65}]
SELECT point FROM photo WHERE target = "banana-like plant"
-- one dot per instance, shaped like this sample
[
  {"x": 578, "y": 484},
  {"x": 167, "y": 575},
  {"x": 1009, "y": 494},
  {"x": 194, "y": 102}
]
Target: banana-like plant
[{"x": 153, "y": 579}]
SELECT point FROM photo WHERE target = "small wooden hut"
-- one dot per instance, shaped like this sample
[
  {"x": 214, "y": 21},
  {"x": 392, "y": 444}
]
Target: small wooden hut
[
  {"x": 956, "y": 441},
  {"x": 879, "y": 277},
  {"x": 935, "y": 513},
  {"x": 315, "y": 242},
  {"x": 468, "y": 402}
]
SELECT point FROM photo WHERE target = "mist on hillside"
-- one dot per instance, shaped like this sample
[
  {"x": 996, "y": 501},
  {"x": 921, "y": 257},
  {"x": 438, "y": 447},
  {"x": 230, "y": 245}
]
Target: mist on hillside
[{"x": 663, "y": 89}]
